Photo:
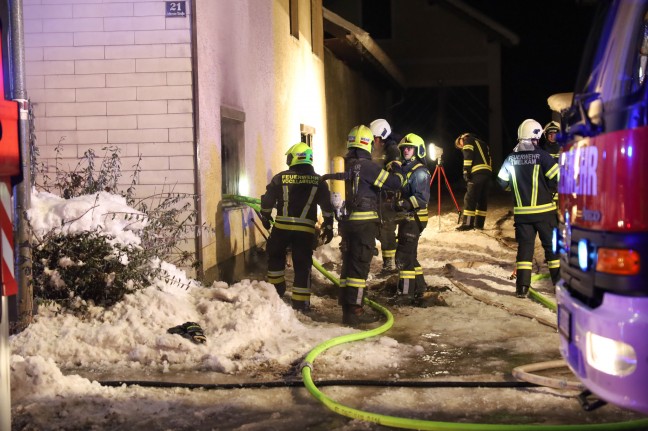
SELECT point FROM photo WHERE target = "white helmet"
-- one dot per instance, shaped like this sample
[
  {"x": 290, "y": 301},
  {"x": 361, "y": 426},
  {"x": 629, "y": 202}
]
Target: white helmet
[
  {"x": 529, "y": 129},
  {"x": 380, "y": 127}
]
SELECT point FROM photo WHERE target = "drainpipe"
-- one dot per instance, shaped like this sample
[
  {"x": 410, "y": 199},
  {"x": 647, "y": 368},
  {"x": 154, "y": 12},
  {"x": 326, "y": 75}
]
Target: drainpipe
[{"x": 22, "y": 190}]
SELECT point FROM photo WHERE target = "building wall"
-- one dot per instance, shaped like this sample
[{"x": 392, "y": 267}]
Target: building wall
[
  {"x": 247, "y": 62},
  {"x": 113, "y": 74}
]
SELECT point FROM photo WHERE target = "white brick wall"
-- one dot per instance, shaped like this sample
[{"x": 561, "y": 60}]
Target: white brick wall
[{"x": 113, "y": 73}]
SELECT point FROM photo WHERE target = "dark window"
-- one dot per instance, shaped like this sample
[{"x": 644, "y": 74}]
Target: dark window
[
  {"x": 232, "y": 152},
  {"x": 376, "y": 18}
]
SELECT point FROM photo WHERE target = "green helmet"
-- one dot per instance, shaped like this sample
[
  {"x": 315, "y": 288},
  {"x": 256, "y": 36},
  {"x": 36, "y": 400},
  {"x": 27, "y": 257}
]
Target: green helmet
[
  {"x": 413, "y": 140},
  {"x": 360, "y": 137},
  {"x": 299, "y": 154}
]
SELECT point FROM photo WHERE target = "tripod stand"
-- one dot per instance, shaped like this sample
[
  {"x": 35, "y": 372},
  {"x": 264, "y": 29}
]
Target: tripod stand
[{"x": 441, "y": 172}]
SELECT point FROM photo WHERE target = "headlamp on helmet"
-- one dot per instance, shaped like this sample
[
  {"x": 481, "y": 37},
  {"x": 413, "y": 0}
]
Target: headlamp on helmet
[
  {"x": 413, "y": 140},
  {"x": 299, "y": 154}
]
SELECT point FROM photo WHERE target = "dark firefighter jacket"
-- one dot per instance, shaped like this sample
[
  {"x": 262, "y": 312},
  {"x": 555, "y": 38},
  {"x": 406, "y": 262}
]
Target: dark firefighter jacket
[
  {"x": 532, "y": 174},
  {"x": 364, "y": 183},
  {"x": 296, "y": 193},
  {"x": 476, "y": 154},
  {"x": 417, "y": 187}
]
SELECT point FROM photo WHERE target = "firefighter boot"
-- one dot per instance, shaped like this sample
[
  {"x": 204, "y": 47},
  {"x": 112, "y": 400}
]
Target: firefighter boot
[
  {"x": 479, "y": 222},
  {"x": 555, "y": 275},
  {"x": 389, "y": 264},
  {"x": 521, "y": 291},
  {"x": 301, "y": 306},
  {"x": 468, "y": 223},
  {"x": 354, "y": 315}
]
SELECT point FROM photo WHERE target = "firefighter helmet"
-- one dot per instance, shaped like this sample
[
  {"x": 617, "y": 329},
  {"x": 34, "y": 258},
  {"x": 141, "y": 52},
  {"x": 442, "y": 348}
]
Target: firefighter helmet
[
  {"x": 380, "y": 128},
  {"x": 529, "y": 129},
  {"x": 458, "y": 142},
  {"x": 299, "y": 154},
  {"x": 552, "y": 127},
  {"x": 360, "y": 137},
  {"x": 413, "y": 140}
]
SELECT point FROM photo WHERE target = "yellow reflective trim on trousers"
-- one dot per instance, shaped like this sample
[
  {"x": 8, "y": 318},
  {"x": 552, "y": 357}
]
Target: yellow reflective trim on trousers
[
  {"x": 363, "y": 215},
  {"x": 356, "y": 282},
  {"x": 302, "y": 290},
  {"x": 418, "y": 270},
  {"x": 297, "y": 297},
  {"x": 294, "y": 227},
  {"x": 524, "y": 265},
  {"x": 469, "y": 213},
  {"x": 535, "y": 209},
  {"x": 276, "y": 273},
  {"x": 481, "y": 213},
  {"x": 407, "y": 274},
  {"x": 553, "y": 264},
  {"x": 389, "y": 253}
]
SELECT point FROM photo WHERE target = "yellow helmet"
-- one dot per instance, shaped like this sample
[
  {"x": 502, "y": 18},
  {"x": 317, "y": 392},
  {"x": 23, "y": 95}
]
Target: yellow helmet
[
  {"x": 299, "y": 154},
  {"x": 360, "y": 137},
  {"x": 413, "y": 140}
]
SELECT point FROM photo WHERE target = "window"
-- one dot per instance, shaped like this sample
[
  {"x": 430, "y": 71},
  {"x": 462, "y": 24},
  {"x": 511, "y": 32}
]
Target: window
[
  {"x": 232, "y": 149},
  {"x": 294, "y": 18},
  {"x": 307, "y": 133}
]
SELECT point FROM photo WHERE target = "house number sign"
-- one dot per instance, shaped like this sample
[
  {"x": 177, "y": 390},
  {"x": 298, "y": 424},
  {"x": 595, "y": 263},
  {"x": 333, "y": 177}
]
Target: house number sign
[{"x": 176, "y": 8}]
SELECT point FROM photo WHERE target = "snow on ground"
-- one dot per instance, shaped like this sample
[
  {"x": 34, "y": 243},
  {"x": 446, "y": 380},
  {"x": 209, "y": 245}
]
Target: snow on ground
[{"x": 254, "y": 336}]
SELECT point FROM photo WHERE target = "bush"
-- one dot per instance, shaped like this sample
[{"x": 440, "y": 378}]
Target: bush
[{"x": 86, "y": 266}]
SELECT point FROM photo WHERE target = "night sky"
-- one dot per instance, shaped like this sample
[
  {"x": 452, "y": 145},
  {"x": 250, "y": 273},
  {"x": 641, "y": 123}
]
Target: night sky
[{"x": 552, "y": 36}]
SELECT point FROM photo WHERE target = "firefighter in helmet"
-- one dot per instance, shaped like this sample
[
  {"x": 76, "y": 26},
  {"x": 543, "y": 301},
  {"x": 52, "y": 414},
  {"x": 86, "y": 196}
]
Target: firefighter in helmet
[
  {"x": 386, "y": 152},
  {"x": 549, "y": 143},
  {"x": 413, "y": 203},
  {"x": 477, "y": 171},
  {"x": 295, "y": 193},
  {"x": 532, "y": 174},
  {"x": 359, "y": 223}
]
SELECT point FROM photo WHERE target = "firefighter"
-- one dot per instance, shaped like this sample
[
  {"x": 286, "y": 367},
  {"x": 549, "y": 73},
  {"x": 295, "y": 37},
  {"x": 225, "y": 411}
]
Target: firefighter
[
  {"x": 532, "y": 174},
  {"x": 359, "y": 223},
  {"x": 386, "y": 149},
  {"x": 550, "y": 142},
  {"x": 413, "y": 202},
  {"x": 295, "y": 193},
  {"x": 477, "y": 171}
]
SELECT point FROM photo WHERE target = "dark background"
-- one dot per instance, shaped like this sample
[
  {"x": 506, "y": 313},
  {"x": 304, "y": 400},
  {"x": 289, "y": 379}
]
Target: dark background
[{"x": 552, "y": 36}]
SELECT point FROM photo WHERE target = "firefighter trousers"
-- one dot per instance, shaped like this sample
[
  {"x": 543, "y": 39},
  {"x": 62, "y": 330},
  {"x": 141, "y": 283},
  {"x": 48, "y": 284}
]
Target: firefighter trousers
[
  {"x": 410, "y": 272},
  {"x": 358, "y": 247},
  {"x": 525, "y": 235},
  {"x": 301, "y": 246},
  {"x": 476, "y": 198}
]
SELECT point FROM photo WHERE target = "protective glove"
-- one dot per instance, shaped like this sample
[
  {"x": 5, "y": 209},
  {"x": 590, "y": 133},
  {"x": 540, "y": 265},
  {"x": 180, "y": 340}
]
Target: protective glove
[
  {"x": 395, "y": 167},
  {"x": 467, "y": 177},
  {"x": 266, "y": 220},
  {"x": 403, "y": 205},
  {"x": 326, "y": 234}
]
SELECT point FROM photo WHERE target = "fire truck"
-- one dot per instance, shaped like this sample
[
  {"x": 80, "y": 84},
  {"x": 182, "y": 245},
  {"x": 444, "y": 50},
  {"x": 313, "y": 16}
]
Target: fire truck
[{"x": 602, "y": 237}]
